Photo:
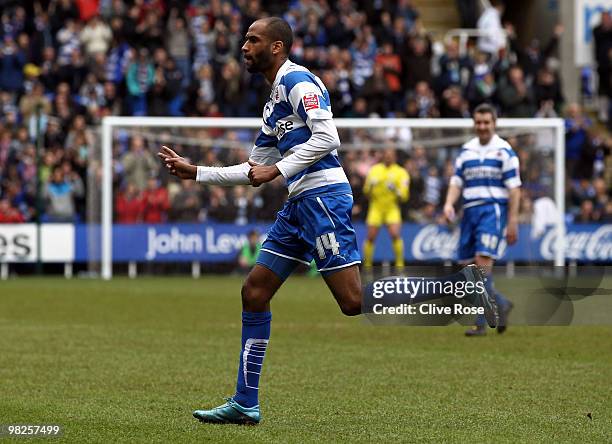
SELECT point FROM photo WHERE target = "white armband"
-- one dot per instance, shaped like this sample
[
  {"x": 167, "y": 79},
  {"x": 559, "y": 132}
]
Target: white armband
[{"x": 225, "y": 176}]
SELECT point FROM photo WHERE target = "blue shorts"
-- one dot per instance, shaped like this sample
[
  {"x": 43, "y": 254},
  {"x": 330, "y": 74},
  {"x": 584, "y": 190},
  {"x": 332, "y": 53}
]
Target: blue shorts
[
  {"x": 316, "y": 227},
  {"x": 483, "y": 231}
]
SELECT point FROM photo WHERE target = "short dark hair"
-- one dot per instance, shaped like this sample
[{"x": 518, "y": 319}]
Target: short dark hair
[
  {"x": 278, "y": 29},
  {"x": 486, "y": 108}
]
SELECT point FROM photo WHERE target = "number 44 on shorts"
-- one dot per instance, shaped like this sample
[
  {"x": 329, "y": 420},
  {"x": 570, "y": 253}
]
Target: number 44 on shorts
[{"x": 327, "y": 242}]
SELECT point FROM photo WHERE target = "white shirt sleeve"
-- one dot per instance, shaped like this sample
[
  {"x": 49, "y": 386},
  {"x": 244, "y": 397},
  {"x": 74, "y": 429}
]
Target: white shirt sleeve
[
  {"x": 324, "y": 140},
  {"x": 225, "y": 176},
  {"x": 264, "y": 152},
  {"x": 457, "y": 178},
  {"x": 511, "y": 173}
]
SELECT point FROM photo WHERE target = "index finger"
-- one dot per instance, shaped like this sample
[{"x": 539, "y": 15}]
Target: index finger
[{"x": 168, "y": 152}]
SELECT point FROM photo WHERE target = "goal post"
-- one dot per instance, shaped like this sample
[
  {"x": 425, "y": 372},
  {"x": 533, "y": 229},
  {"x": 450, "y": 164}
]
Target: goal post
[{"x": 109, "y": 124}]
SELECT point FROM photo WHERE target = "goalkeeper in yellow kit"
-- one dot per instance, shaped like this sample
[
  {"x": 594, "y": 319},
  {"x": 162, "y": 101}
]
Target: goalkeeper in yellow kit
[{"x": 386, "y": 186}]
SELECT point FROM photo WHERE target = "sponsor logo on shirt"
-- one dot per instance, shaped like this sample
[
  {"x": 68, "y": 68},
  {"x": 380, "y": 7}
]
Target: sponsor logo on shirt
[
  {"x": 311, "y": 101},
  {"x": 282, "y": 127}
]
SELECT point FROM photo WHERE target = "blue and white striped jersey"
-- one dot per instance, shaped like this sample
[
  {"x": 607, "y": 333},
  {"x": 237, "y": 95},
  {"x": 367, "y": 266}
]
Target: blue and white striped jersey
[
  {"x": 298, "y": 98},
  {"x": 486, "y": 172}
]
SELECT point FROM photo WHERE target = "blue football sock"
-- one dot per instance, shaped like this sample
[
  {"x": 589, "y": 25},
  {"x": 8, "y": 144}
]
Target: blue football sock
[{"x": 255, "y": 336}]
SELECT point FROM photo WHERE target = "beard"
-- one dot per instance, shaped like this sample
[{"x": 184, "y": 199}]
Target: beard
[{"x": 260, "y": 62}]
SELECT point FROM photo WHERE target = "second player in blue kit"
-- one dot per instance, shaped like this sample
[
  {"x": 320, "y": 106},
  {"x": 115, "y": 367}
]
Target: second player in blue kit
[{"x": 487, "y": 177}]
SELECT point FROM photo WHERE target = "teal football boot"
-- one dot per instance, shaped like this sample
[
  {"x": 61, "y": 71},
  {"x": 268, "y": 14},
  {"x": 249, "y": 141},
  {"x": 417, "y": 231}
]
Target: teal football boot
[{"x": 229, "y": 413}]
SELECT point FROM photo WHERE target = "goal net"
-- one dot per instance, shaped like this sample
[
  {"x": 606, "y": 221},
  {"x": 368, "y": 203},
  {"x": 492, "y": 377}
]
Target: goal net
[{"x": 179, "y": 223}]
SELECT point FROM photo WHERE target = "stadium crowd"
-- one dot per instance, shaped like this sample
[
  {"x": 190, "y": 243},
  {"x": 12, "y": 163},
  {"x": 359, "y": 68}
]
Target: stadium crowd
[{"x": 66, "y": 64}]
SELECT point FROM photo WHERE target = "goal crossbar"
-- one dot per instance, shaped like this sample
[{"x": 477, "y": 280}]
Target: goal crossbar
[{"x": 108, "y": 123}]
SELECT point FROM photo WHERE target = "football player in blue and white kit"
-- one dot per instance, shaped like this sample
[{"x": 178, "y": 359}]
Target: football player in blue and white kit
[
  {"x": 298, "y": 140},
  {"x": 487, "y": 176}
]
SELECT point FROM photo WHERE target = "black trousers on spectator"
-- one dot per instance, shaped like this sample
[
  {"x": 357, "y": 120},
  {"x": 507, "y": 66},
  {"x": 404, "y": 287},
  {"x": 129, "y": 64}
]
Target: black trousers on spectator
[{"x": 468, "y": 11}]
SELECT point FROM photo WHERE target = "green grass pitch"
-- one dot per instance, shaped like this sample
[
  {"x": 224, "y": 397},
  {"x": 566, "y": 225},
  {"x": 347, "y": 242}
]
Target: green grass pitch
[{"x": 128, "y": 360}]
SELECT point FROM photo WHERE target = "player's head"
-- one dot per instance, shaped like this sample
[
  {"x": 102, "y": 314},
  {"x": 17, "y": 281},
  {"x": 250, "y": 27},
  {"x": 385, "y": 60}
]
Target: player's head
[
  {"x": 389, "y": 156},
  {"x": 498, "y": 4},
  {"x": 253, "y": 237},
  {"x": 268, "y": 40},
  {"x": 485, "y": 117}
]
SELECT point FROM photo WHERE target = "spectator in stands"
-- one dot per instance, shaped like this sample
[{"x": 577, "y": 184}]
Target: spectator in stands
[
  {"x": 416, "y": 191},
  {"x": 202, "y": 91},
  {"x": 19, "y": 195},
  {"x": 607, "y": 214},
  {"x": 220, "y": 207},
  {"x": 60, "y": 194},
  {"x": 549, "y": 97},
  {"x": 376, "y": 92},
  {"x": 580, "y": 191},
  {"x": 270, "y": 200},
  {"x": 230, "y": 89},
  {"x": 96, "y": 36},
  {"x": 454, "y": 69},
  {"x": 129, "y": 205},
  {"x": 533, "y": 58},
  {"x": 204, "y": 37},
  {"x": 453, "y": 105},
  {"x": 66, "y": 163},
  {"x": 118, "y": 59},
  {"x": 138, "y": 163},
  {"x": 576, "y": 137},
  {"x": 149, "y": 31},
  {"x": 602, "y": 195},
  {"x": 425, "y": 100},
  {"x": 417, "y": 61},
  {"x": 178, "y": 44},
  {"x": 587, "y": 214},
  {"x": 515, "y": 95},
  {"x": 391, "y": 64},
  {"x": 187, "y": 203},
  {"x": 82, "y": 84},
  {"x": 363, "y": 52},
  {"x": 468, "y": 11},
  {"x": 243, "y": 205},
  {"x": 31, "y": 103},
  {"x": 250, "y": 251},
  {"x": 157, "y": 97},
  {"x": 433, "y": 194},
  {"x": 12, "y": 61},
  {"x": 406, "y": 10},
  {"x": 155, "y": 202},
  {"x": 602, "y": 36},
  {"x": 68, "y": 39},
  {"x": 111, "y": 102},
  {"x": 482, "y": 88},
  {"x": 9, "y": 214},
  {"x": 49, "y": 69},
  {"x": 140, "y": 79},
  {"x": 493, "y": 37}
]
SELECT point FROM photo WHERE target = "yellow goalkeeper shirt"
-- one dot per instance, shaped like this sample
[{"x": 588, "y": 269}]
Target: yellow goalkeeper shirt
[{"x": 386, "y": 186}]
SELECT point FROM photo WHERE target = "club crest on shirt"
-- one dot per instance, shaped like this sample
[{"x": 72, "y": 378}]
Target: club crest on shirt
[
  {"x": 275, "y": 96},
  {"x": 310, "y": 101}
]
